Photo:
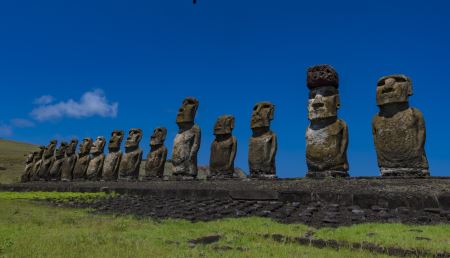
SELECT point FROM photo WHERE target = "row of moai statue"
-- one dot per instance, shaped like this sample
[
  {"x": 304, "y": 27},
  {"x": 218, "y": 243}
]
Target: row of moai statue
[{"x": 398, "y": 131}]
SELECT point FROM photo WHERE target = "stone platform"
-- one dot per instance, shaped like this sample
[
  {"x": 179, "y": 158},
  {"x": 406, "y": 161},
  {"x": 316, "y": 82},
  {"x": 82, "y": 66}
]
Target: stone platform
[{"x": 316, "y": 202}]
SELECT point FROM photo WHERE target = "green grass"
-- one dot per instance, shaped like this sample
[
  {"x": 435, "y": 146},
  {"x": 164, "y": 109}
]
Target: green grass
[{"x": 12, "y": 158}]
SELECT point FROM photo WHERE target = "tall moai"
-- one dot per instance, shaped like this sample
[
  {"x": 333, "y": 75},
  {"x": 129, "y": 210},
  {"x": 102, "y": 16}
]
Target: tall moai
[
  {"x": 47, "y": 160},
  {"x": 131, "y": 160},
  {"x": 326, "y": 135},
  {"x": 398, "y": 130},
  {"x": 262, "y": 147},
  {"x": 187, "y": 141},
  {"x": 112, "y": 160},
  {"x": 83, "y": 158},
  {"x": 27, "y": 172},
  {"x": 37, "y": 162},
  {"x": 223, "y": 149},
  {"x": 95, "y": 167},
  {"x": 58, "y": 160},
  {"x": 69, "y": 161},
  {"x": 156, "y": 158}
]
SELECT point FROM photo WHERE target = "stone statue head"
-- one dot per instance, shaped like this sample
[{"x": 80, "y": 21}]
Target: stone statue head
[
  {"x": 85, "y": 146},
  {"x": 98, "y": 146},
  {"x": 50, "y": 150},
  {"x": 116, "y": 140},
  {"x": 187, "y": 111},
  {"x": 158, "y": 137},
  {"x": 40, "y": 153},
  {"x": 393, "y": 89},
  {"x": 224, "y": 125},
  {"x": 134, "y": 138},
  {"x": 61, "y": 151},
  {"x": 262, "y": 114},
  {"x": 30, "y": 157},
  {"x": 72, "y": 147}
]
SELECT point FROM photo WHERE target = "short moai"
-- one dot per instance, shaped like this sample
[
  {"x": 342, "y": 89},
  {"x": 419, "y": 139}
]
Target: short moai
[
  {"x": 112, "y": 160},
  {"x": 223, "y": 149},
  {"x": 37, "y": 162},
  {"x": 326, "y": 135},
  {"x": 262, "y": 146},
  {"x": 29, "y": 164},
  {"x": 83, "y": 158},
  {"x": 131, "y": 159},
  {"x": 187, "y": 141},
  {"x": 156, "y": 158},
  {"x": 47, "y": 160},
  {"x": 95, "y": 167},
  {"x": 58, "y": 160},
  {"x": 69, "y": 161},
  {"x": 399, "y": 130}
]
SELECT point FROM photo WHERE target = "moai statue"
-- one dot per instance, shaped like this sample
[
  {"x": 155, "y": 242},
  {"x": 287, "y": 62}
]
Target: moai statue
[
  {"x": 262, "y": 147},
  {"x": 69, "y": 161},
  {"x": 187, "y": 141},
  {"x": 95, "y": 167},
  {"x": 112, "y": 160},
  {"x": 28, "y": 167},
  {"x": 156, "y": 158},
  {"x": 47, "y": 160},
  {"x": 37, "y": 162},
  {"x": 223, "y": 148},
  {"x": 399, "y": 130},
  {"x": 131, "y": 160},
  {"x": 326, "y": 135},
  {"x": 83, "y": 158},
  {"x": 58, "y": 160}
]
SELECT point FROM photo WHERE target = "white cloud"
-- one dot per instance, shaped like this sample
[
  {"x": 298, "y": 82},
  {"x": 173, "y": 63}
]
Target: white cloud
[
  {"x": 21, "y": 123},
  {"x": 92, "y": 103},
  {"x": 5, "y": 130},
  {"x": 44, "y": 100}
]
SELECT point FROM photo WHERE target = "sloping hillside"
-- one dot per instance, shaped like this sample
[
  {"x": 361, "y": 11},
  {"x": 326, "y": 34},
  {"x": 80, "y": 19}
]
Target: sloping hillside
[{"x": 12, "y": 158}]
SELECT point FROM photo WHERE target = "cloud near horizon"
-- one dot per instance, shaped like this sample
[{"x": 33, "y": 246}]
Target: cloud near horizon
[{"x": 91, "y": 103}]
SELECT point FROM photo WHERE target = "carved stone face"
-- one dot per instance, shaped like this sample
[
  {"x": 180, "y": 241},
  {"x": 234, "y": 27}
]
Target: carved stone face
[
  {"x": 187, "y": 111},
  {"x": 29, "y": 158},
  {"x": 85, "y": 146},
  {"x": 99, "y": 145},
  {"x": 224, "y": 125},
  {"x": 158, "y": 137},
  {"x": 262, "y": 114},
  {"x": 134, "y": 137},
  {"x": 323, "y": 102},
  {"x": 61, "y": 151},
  {"x": 38, "y": 154},
  {"x": 393, "y": 89},
  {"x": 72, "y": 147},
  {"x": 116, "y": 140},
  {"x": 50, "y": 150}
]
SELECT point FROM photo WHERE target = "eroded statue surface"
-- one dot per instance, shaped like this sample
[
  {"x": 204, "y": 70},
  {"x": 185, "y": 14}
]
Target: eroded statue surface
[
  {"x": 398, "y": 130},
  {"x": 112, "y": 160},
  {"x": 58, "y": 160},
  {"x": 29, "y": 164},
  {"x": 37, "y": 162},
  {"x": 156, "y": 158},
  {"x": 83, "y": 158},
  {"x": 187, "y": 141},
  {"x": 326, "y": 135},
  {"x": 95, "y": 167},
  {"x": 69, "y": 161},
  {"x": 131, "y": 159},
  {"x": 223, "y": 148},
  {"x": 47, "y": 160},
  {"x": 263, "y": 143}
]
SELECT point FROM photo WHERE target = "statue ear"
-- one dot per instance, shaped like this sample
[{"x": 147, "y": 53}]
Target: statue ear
[
  {"x": 232, "y": 122},
  {"x": 338, "y": 101},
  {"x": 410, "y": 91},
  {"x": 271, "y": 113}
]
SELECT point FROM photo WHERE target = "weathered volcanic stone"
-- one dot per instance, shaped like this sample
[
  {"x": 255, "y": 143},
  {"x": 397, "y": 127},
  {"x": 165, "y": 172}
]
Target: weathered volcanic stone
[
  {"x": 398, "y": 130},
  {"x": 82, "y": 163},
  {"x": 94, "y": 170},
  {"x": 187, "y": 141},
  {"x": 69, "y": 161},
  {"x": 263, "y": 143},
  {"x": 112, "y": 160},
  {"x": 131, "y": 160},
  {"x": 156, "y": 158},
  {"x": 326, "y": 136},
  {"x": 47, "y": 160},
  {"x": 37, "y": 162},
  {"x": 58, "y": 160},
  {"x": 29, "y": 164},
  {"x": 223, "y": 149}
]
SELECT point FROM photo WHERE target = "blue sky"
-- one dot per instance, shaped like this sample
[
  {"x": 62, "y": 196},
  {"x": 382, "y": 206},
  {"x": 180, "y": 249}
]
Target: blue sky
[{"x": 135, "y": 61}]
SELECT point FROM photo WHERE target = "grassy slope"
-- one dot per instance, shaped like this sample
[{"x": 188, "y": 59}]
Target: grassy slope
[{"x": 12, "y": 157}]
